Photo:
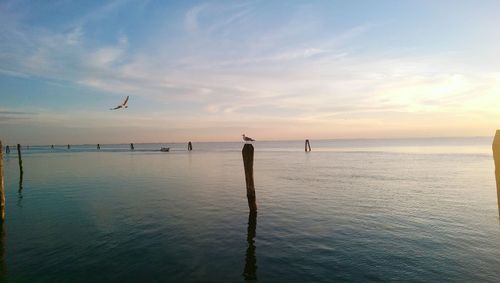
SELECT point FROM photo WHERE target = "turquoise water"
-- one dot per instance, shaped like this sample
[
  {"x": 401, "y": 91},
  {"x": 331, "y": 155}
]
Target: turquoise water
[{"x": 351, "y": 210}]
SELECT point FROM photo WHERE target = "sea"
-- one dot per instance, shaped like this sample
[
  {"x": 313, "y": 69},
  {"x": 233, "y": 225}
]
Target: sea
[{"x": 351, "y": 210}]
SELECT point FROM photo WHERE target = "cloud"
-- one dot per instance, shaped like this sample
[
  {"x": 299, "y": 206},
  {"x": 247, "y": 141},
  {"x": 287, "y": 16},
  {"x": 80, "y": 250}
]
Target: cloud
[
  {"x": 192, "y": 17},
  {"x": 15, "y": 117},
  {"x": 7, "y": 112},
  {"x": 75, "y": 36}
]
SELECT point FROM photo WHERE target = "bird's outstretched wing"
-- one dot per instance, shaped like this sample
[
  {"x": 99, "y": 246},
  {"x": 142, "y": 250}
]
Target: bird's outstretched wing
[
  {"x": 125, "y": 102},
  {"x": 117, "y": 107}
]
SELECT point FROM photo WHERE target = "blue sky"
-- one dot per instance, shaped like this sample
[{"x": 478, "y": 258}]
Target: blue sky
[{"x": 211, "y": 70}]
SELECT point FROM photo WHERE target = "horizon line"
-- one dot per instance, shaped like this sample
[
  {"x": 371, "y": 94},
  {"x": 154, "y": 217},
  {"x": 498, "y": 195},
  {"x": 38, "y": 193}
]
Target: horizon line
[{"x": 267, "y": 140}]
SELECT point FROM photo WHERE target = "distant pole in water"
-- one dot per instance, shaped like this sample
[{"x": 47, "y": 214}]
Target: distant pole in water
[
  {"x": 69, "y": 146},
  {"x": 98, "y": 146},
  {"x": 247, "y": 153},
  {"x": 308, "y": 146},
  {"x": 2, "y": 191},
  {"x": 131, "y": 146},
  {"x": 190, "y": 146},
  {"x": 7, "y": 149},
  {"x": 52, "y": 146},
  {"x": 496, "y": 157}
]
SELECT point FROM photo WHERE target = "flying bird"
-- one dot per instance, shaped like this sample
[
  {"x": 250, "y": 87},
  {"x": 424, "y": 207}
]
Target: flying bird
[
  {"x": 247, "y": 139},
  {"x": 123, "y": 105}
]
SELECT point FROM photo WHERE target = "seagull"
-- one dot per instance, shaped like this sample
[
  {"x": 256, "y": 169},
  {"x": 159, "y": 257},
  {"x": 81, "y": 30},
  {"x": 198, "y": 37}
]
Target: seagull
[
  {"x": 123, "y": 105},
  {"x": 247, "y": 139}
]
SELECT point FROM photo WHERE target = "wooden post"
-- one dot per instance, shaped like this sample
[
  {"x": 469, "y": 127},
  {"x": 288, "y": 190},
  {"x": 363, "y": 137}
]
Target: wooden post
[
  {"x": 98, "y": 146},
  {"x": 307, "y": 146},
  {"x": 496, "y": 158},
  {"x": 250, "y": 271},
  {"x": 7, "y": 149},
  {"x": 131, "y": 146},
  {"x": 52, "y": 146},
  {"x": 190, "y": 146},
  {"x": 247, "y": 153},
  {"x": 2, "y": 191},
  {"x": 69, "y": 146}
]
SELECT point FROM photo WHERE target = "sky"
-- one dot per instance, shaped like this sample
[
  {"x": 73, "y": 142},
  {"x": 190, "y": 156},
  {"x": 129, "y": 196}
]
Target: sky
[{"x": 212, "y": 70}]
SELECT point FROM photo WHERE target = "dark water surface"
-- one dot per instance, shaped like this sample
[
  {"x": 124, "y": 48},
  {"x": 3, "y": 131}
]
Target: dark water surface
[{"x": 351, "y": 210}]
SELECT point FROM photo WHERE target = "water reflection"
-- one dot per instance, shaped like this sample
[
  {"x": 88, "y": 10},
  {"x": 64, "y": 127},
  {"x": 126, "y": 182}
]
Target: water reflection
[
  {"x": 250, "y": 271},
  {"x": 3, "y": 264},
  {"x": 20, "y": 189}
]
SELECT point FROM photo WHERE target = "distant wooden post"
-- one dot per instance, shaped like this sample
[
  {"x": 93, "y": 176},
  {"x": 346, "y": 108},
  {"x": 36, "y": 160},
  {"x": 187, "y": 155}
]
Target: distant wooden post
[
  {"x": 496, "y": 157},
  {"x": 2, "y": 191},
  {"x": 190, "y": 146},
  {"x": 52, "y": 146},
  {"x": 69, "y": 146},
  {"x": 247, "y": 153},
  {"x": 307, "y": 146},
  {"x": 98, "y": 146},
  {"x": 7, "y": 149},
  {"x": 131, "y": 146}
]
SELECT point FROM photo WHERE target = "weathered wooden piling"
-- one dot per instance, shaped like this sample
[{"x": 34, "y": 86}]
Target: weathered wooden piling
[
  {"x": 98, "y": 146},
  {"x": 190, "y": 146},
  {"x": 496, "y": 158},
  {"x": 131, "y": 146},
  {"x": 307, "y": 146},
  {"x": 250, "y": 271},
  {"x": 2, "y": 191},
  {"x": 247, "y": 153}
]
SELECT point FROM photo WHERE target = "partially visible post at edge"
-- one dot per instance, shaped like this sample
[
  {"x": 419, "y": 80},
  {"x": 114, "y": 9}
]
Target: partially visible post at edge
[
  {"x": 496, "y": 157},
  {"x": 2, "y": 215},
  {"x": 247, "y": 153},
  {"x": 2, "y": 191}
]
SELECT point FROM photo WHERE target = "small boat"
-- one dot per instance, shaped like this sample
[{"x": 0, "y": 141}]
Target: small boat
[{"x": 165, "y": 149}]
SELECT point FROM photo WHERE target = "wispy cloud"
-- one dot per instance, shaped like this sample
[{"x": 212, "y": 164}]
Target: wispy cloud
[{"x": 192, "y": 17}]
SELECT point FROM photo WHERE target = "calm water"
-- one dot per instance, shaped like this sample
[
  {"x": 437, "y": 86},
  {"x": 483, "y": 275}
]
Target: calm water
[{"x": 351, "y": 210}]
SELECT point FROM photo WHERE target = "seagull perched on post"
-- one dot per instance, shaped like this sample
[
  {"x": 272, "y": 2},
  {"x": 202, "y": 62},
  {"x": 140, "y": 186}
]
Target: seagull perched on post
[
  {"x": 247, "y": 139},
  {"x": 123, "y": 105}
]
